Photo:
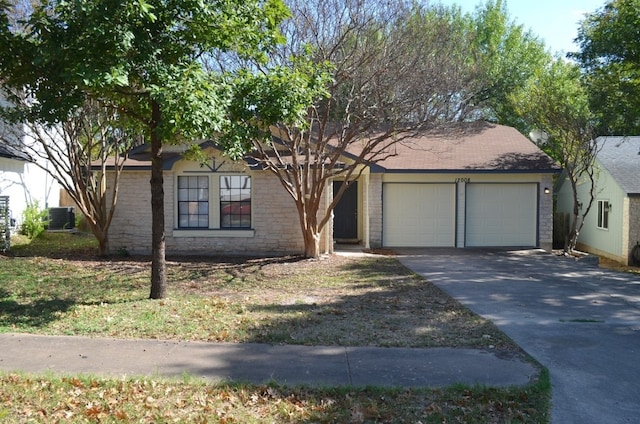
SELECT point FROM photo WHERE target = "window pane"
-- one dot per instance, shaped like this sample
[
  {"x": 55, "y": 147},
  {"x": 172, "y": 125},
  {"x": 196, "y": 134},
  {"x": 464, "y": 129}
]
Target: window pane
[
  {"x": 599, "y": 214},
  {"x": 193, "y": 201},
  {"x": 245, "y": 221},
  {"x": 193, "y": 221},
  {"x": 245, "y": 208},
  {"x": 183, "y": 221},
  {"x": 603, "y": 214},
  {"x": 235, "y": 201}
]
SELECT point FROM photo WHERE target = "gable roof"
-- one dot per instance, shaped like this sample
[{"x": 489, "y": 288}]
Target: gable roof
[
  {"x": 10, "y": 152},
  {"x": 474, "y": 147},
  {"x": 477, "y": 147},
  {"x": 621, "y": 157}
]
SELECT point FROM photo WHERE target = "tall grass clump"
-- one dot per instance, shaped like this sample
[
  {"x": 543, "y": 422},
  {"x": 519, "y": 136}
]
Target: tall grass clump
[{"x": 34, "y": 221}]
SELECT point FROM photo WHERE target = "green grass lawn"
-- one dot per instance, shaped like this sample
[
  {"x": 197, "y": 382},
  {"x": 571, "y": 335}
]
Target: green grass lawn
[{"x": 56, "y": 285}]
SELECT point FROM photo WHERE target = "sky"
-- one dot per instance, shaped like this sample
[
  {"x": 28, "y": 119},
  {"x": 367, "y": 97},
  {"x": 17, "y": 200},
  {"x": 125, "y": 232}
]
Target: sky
[{"x": 554, "y": 21}]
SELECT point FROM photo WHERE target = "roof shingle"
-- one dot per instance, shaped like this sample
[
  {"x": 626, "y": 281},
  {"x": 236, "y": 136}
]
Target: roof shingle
[
  {"x": 477, "y": 147},
  {"x": 621, "y": 157},
  {"x": 8, "y": 151}
]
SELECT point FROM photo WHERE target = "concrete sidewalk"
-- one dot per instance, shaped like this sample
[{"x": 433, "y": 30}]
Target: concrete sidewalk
[{"x": 259, "y": 363}]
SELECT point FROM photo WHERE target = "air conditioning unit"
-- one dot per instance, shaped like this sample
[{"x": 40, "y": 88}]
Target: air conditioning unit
[{"x": 61, "y": 218}]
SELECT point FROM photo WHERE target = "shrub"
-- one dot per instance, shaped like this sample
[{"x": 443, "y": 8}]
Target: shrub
[{"x": 34, "y": 221}]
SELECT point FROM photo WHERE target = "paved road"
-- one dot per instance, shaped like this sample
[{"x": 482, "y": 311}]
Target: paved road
[{"x": 581, "y": 322}]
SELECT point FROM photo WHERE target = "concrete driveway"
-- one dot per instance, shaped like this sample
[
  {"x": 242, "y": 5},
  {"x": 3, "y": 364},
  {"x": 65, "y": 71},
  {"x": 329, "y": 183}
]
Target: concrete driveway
[{"x": 579, "y": 321}]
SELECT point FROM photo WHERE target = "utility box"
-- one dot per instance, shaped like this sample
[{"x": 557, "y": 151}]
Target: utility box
[{"x": 61, "y": 218}]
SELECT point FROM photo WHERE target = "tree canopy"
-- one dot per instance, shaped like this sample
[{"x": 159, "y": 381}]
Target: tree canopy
[
  {"x": 358, "y": 76},
  {"x": 508, "y": 56},
  {"x": 145, "y": 59},
  {"x": 610, "y": 57},
  {"x": 555, "y": 105}
]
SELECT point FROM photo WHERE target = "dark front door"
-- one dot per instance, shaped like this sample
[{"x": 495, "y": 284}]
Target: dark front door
[{"x": 345, "y": 214}]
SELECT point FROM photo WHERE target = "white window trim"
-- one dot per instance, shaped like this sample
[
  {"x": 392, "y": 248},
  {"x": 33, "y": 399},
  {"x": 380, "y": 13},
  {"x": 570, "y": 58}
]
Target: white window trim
[
  {"x": 214, "y": 229},
  {"x": 607, "y": 210},
  {"x": 213, "y": 232}
]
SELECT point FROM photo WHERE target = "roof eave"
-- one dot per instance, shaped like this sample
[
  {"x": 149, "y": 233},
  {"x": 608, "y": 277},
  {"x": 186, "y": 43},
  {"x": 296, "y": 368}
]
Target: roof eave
[{"x": 381, "y": 170}]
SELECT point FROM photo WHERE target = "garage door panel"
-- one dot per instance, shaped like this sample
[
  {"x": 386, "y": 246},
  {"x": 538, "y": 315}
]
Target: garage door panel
[
  {"x": 419, "y": 215},
  {"x": 501, "y": 215}
]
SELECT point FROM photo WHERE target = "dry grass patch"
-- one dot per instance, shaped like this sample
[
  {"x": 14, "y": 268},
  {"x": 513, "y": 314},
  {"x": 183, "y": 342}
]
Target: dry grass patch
[
  {"x": 336, "y": 300},
  {"x": 84, "y": 399},
  {"x": 55, "y": 285}
]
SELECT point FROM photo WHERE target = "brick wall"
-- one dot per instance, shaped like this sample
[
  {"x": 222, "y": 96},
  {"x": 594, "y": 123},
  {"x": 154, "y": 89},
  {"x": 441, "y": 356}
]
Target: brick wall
[
  {"x": 275, "y": 222},
  {"x": 130, "y": 228}
]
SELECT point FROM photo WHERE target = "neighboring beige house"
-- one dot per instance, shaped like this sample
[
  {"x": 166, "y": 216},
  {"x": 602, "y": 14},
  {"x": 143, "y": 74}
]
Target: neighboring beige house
[
  {"x": 612, "y": 226},
  {"x": 488, "y": 186}
]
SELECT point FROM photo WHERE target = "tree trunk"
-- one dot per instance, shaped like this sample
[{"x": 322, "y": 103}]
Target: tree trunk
[
  {"x": 311, "y": 243},
  {"x": 158, "y": 262},
  {"x": 103, "y": 244},
  {"x": 309, "y": 226},
  {"x": 572, "y": 238}
]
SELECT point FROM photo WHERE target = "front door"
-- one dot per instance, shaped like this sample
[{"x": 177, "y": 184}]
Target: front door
[{"x": 345, "y": 214}]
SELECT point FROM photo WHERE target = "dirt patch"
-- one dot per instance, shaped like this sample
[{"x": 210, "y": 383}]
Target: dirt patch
[{"x": 617, "y": 266}]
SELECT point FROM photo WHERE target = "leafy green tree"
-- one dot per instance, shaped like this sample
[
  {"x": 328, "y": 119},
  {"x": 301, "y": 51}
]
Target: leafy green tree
[
  {"x": 610, "y": 57},
  {"x": 555, "y": 104},
  {"x": 144, "y": 58},
  {"x": 506, "y": 56}
]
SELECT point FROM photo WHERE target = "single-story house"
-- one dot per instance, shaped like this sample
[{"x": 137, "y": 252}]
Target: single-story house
[
  {"x": 612, "y": 226},
  {"x": 484, "y": 186}
]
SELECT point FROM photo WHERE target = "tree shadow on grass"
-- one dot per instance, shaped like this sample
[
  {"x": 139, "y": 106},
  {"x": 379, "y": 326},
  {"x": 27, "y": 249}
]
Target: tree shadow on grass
[
  {"x": 385, "y": 305},
  {"x": 36, "y": 314}
]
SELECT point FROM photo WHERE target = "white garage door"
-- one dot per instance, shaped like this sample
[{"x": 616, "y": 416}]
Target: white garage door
[
  {"x": 418, "y": 215},
  {"x": 501, "y": 215}
]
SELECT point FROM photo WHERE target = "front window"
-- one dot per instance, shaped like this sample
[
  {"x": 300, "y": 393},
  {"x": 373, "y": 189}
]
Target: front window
[
  {"x": 235, "y": 201},
  {"x": 603, "y": 214},
  {"x": 193, "y": 202}
]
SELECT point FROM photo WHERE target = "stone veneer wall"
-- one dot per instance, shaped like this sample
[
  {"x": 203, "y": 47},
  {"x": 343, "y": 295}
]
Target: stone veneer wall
[
  {"x": 633, "y": 211},
  {"x": 545, "y": 211},
  {"x": 375, "y": 210}
]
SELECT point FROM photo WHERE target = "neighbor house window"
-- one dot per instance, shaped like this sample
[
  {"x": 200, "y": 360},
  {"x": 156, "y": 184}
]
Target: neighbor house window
[
  {"x": 603, "y": 214},
  {"x": 193, "y": 202},
  {"x": 235, "y": 201}
]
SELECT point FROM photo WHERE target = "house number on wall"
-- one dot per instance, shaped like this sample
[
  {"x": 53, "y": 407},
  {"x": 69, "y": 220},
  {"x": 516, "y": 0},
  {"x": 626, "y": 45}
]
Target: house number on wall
[{"x": 463, "y": 180}]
